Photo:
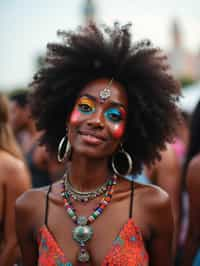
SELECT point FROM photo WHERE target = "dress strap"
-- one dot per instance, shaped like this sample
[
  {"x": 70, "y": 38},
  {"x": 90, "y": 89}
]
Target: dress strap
[
  {"x": 131, "y": 200},
  {"x": 47, "y": 206}
]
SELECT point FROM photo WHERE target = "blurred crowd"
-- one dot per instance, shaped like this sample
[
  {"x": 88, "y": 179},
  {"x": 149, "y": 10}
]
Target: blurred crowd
[{"x": 25, "y": 164}]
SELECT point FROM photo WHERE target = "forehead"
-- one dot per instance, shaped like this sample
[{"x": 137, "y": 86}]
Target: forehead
[{"x": 118, "y": 93}]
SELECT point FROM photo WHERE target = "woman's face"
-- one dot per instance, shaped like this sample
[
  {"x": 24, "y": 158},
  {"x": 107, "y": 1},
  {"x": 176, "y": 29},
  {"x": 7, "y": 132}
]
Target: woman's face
[{"x": 97, "y": 124}]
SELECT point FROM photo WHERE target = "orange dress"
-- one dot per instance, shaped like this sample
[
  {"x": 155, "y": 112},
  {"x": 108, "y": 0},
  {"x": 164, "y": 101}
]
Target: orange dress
[{"x": 127, "y": 249}]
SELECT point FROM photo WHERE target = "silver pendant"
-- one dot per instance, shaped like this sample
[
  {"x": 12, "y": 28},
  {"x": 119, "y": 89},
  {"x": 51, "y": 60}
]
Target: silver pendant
[
  {"x": 83, "y": 256},
  {"x": 82, "y": 232}
]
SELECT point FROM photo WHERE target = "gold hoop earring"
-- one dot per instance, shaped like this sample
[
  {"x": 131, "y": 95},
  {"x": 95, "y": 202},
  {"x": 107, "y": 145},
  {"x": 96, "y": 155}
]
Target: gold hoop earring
[
  {"x": 130, "y": 163},
  {"x": 67, "y": 151}
]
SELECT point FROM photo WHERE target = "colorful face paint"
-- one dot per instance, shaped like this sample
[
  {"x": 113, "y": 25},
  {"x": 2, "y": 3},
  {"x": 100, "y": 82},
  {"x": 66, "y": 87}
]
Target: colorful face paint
[
  {"x": 113, "y": 115},
  {"x": 119, "y": 130},
  {"x": 123, "y": 112},
  {"x": 84, "y": 105},
  {"x": 75, "y": 116},
  {"x": 117, "y": 116}
]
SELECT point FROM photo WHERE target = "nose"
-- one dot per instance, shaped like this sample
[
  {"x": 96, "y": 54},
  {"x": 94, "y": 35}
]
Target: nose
[{"x": 96, "y": 120}]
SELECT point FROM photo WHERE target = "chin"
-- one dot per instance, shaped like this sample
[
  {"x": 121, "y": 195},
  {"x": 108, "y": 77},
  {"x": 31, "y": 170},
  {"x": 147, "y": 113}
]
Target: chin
[{"x": 92, "y": 152}]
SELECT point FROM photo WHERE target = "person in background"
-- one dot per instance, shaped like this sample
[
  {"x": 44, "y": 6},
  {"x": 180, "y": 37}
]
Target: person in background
[
  {"x": 180, "y": 145},
  {"x": 192, "y": 181},
  {"x": 23, "y": 126},
  {"x": 14, "y": 180},
  {"x": 181, "y": 140},
  {"x": 43, "y": 167},
  {"x": 166, "y": 173},
  {"x": 107, "y": 106},
  {"x": 28, "y": 136}
]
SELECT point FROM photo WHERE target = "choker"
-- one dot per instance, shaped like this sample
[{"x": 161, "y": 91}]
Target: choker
[
  {"x": 86, "y": 195},
  {"x": 83, "y": 231}
]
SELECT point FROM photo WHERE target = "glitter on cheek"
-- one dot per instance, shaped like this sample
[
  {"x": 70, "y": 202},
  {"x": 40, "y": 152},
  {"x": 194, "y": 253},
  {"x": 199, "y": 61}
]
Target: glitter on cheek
[
  {"x": 118, "y": 130},
  {"x": 75, "y": 116}
]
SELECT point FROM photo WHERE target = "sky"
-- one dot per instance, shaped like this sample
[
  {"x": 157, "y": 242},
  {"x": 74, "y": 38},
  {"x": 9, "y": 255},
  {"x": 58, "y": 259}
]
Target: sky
[{"x": 27, "y": 26}]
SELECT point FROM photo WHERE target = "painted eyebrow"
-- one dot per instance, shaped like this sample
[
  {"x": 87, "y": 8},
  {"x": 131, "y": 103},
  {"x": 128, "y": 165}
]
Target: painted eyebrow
[
  {"x": 88, "y": 96},
  {"x": 118, "y": 104},
  {"x": 96, "y": 100}
]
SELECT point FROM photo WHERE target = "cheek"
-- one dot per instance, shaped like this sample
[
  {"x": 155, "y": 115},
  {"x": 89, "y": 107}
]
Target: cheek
[
  {"x": 118, "y": 130},
  {"x": 123, "y": 112},
  {"x": 75, "y": 116}
]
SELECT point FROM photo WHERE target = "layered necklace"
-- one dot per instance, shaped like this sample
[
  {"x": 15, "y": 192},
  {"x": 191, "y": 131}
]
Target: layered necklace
[
  {"x": 86, "y": 195},
  {"x": 83, "y": 231}
]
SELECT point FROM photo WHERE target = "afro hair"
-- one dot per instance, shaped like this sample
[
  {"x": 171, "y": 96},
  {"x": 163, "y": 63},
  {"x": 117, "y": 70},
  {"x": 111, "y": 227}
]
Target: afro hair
[{"x": 93, "y": 52}]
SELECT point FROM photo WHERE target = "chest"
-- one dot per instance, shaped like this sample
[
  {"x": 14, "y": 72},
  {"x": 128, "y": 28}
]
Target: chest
[
  {"x": 114, "y": 234},
  {"x": 127, "y": 247}
]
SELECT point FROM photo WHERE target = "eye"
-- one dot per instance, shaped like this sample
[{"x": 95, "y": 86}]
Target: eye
[
  {"x": 85, "y": 108},
  {"x": 114, "y": 115}
]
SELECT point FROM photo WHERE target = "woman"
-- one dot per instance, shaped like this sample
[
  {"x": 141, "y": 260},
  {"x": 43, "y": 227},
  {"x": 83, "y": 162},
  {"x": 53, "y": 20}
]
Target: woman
[
  {"x": 14, "y": 180},
  {"x": 43, "y": 167},
  {"x": 108, "y": 107},
  {"x": 192, "y": 170},
  {"x": 166, "y": 174}
]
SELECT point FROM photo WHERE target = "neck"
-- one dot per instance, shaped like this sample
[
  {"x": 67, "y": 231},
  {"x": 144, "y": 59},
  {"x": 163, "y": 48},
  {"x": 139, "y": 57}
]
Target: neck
[{"x": 87, "y": 174}]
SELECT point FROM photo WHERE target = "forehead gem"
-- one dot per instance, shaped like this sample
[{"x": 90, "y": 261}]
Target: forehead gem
[{"x": 106, "y": 92}]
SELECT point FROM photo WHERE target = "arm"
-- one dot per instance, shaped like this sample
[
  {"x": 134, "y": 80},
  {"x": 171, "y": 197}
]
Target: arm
[
  {"x": 193, "y": 234},
  {"x": 168, "y": 173},
  {"x": 16, "y": 182},
  {"x": 25, "y": 227},
  {"x": 160, "y": 251}
]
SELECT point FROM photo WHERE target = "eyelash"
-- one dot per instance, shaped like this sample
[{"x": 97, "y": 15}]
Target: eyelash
[{"x": 82, "y": 107}]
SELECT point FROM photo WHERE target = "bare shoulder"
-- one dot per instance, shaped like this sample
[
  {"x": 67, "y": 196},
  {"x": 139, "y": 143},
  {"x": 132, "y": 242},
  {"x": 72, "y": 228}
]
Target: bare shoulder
[
  {"x": 12, "y": 167},
  {"x": 35, "y": 198},
  {"x": 152, "y": 195},
  {"x": 30, "y": 199},
  {"x": 193, "y": 171},
  {"x": 194, "y": 166},
  {"x": 156, "y": 206},
  {"x": 168, "y": 157},
  {"x": 30, "y": 206}
]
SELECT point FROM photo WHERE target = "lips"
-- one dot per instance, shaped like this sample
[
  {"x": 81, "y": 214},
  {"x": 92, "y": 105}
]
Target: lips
[{"x": 91, "y": 138}]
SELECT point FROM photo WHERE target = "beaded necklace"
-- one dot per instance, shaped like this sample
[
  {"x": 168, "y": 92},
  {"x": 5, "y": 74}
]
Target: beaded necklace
[
  {"x": 83, "y": 196},
  {"x": 83, "y": 232}
]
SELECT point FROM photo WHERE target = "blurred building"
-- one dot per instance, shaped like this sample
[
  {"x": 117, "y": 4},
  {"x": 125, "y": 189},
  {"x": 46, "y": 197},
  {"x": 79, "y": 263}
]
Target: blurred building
[
  {"x": 88, "y": 11},
  {"x": 185, "y": 64}
]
